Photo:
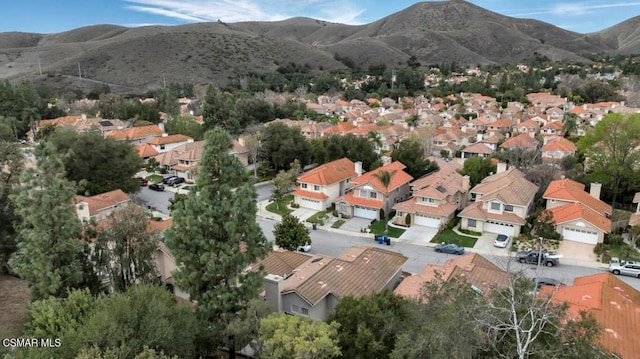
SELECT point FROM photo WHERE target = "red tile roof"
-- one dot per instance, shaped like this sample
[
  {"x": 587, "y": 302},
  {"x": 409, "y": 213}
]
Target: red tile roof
[
  {"x": 146, "y": 150},
  {"x": 398, "y": 178},
  {"x": 572, "y": 191},
  {"x": 559, "y": 144},
  {"x": 354, "y": 200},
  {"x": 308, "y": 194},
  {"x": 104, "y": 200},
  {"x": 522, "y": 140},
  {"x": 329, "y": 173},
  {"x": 480, "y": 148},
  {"x": 136, "y": 133},
  {"x": 576, "y": 211},
  {"x": 169, "y": 139}
]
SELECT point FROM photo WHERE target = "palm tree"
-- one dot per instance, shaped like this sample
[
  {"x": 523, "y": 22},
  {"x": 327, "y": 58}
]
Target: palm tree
[{"x": 385, "y": 178}]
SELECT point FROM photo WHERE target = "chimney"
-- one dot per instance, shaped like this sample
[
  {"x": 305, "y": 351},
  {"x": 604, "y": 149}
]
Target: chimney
[
  {"x": 358, "y": 168},
  {"x": 479, "y": 137},
  {"x": 161, "y": 125},
  {"x": 595, "y": 189},
  {"x": 272, "y": 291},
  {"x": 501, "y": 167},
  {"x": 466, "y": 183}
]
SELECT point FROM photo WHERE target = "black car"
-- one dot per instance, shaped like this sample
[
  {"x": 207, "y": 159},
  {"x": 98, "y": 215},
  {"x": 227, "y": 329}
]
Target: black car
[
  {"x": 156, "y": 187},
  {"x": 175, "y": 181},
  {"x": 449, "y": 248},
  {"x": 540, "y": 281},
  {"x": 167, "y": 179}
]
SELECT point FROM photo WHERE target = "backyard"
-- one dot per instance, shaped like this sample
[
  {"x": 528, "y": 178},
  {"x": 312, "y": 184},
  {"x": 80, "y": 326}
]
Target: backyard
[
  {"x": 377, "y": 227},
  {"x": 449, "y": 236},
  {"x": 280, "y": 207}
]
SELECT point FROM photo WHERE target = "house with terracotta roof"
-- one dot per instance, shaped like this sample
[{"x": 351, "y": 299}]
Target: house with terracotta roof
[
  {"x": 552, "y": 129},
  {"x": 137, "y": 135},
  {"x": 557, "y": 148},
  {"x": 368, "y": 196},
  {"x": 481, "y": 274},
  {"x": 522, "y": 141},
  {"x": 313, "y": 285},
  {"x": 530, "y": 127},
  {"x": 168, "y": 142},
  {"x": 503, "y": 126},
  {"x": 578, "y": 215},
  {"x": 500, "y": 203},
  {"x": 634, "y": 220},
  {"x": 101, "y": 205},
  {"x": 614, "y": 304},
  {"x": 321, "y": 186},
  {"x": 477, "y": 149},
  {"x": 435, "y": 200},
  {"x": 146, "y": 151}
]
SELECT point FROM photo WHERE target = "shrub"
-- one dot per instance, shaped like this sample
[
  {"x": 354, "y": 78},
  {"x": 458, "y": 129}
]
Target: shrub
[
  {"x": 295, "y": 205},
  {"x": 453, "y": 222},
  {"x": 598, "y": 249},
  {"x": 407, "y": 220},
  {"x": 335, "y": 213},
  {"x": 613, "y": 239},
  {"x": 473, "y": 233}
]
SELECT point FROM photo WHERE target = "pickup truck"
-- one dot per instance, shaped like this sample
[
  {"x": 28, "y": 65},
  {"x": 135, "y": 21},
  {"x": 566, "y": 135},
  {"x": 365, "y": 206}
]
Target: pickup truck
[{"x": 531, "y": 256}]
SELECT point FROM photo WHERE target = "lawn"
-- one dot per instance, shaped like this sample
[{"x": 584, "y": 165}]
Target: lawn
[
  {"x": 154, "y": 178},
  {"x": 449, "y": 236},
  {"x": 377, "y": 227},
  {"x": 317, "y": 217},
  {"x": 338, "y": 223},
  {"x": 281, "y": 208}
]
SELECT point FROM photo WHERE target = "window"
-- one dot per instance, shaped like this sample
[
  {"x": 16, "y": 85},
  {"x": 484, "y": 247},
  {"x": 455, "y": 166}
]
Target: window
[
  {"x": 363, "y": 193},
  {"x": 162, "y": 147},
  {"x": 495, "y": 206},
  {"x": 304, "y": 185},
  {"x": 295, "y": 308},
  {"x": 304, "y": 311},
  {"x": 343, "y": 208},
  {"x": 316, "y": 188},
  {"x": 471, "y": 223},
  {"x": 508, "y": 208},
  {"x": 428, "y": 200},
  {"x": 373, "y": 194}
]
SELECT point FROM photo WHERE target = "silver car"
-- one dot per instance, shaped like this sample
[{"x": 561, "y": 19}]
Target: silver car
[{"x": 629, "y": 268}]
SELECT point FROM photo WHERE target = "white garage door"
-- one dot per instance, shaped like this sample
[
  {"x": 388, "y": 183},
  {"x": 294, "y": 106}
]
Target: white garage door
[
  {"x": 311, "y": 203},
  {"x": 497, "y": 227},
  {"x": 580, "y": 235},
  {"x": 365, "y": 212},
  {"x": 427, "y": 221}
]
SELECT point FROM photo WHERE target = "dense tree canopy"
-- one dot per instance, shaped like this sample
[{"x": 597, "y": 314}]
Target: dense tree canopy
[
  {"x": 185, "y": 125},
  {"x": 282, "y": 145},
  {"x": 331, "y": 148},
  {"x": 95, "y": 163},
  {"x": 410, "y": 154},
  {"x": 11, "y": 163},
  {"x": 477, "y": 169},
  {"x": 294, "y": 336}
]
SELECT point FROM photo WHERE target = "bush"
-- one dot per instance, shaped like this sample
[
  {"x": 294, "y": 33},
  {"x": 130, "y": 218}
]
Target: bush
[
  {"x": 613, "y": 239},
  {"x": 453, "y": 222},
  {"x": 407, "y": 220},
  {"x": 473, "y": 233},
  {"x": 295, "y": 205},
  {"x": 598, "y": 249}
]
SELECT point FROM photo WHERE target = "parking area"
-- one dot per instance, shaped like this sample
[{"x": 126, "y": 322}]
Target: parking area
[
  {"x": 355, "y": 224},
  {"x": 418, "y": 235}
]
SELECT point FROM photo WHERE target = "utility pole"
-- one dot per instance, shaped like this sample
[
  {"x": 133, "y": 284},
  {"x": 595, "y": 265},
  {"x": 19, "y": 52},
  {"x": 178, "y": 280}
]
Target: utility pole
[
  {"x": 79, "y": 71},
  {"x": 164, "y": 81},
  {"x": 393, "y": 78},
  {"x": 40, "y": 67}
]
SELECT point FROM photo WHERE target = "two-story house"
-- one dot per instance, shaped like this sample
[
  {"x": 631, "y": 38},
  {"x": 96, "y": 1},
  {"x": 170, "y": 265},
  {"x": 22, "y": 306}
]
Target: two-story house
[
  {"x": 530, "y": 127},
  {"x": 501, "y": 203},
  {"x": 100, "y": 206},
  {"x": 436, "y": 198},
  {"x": 321, "y": 186},
  {"x": 368, "y": 195},
  {"x": 137, "y": 135},
  {"x": 634, "y": 220},
  {"x": 313, "y": 285},
  {"x": 168, "y": 142},
  {"x": 477, "y": 149},
  {"x": 556, "y": 149},
  {"x": 578, "y": 215},
  {"x": 522, "y": 141}
]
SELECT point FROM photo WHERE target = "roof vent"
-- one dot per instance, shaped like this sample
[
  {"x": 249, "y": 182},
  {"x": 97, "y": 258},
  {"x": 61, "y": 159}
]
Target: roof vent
[
  {"x": 586, "y": 297},
  {"x": 315, "y": 260}
]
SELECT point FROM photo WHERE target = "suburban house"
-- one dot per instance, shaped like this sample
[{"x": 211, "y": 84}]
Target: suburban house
[
  {"x": 500, "y": 204},
  {"x": 614, "y": 304},
  {"x": 481, "y": 274},
  {"x": 557, "y": 148},
  {"x": 165, "y": 261},
  {"x": 81, "y": 123},
  {"x": 436, "y": 198},
  {"x": 313, "y": 285},
  {"x": 168, "y": 142},
  {"x": 634, "y": 220},
  {"x": 321, "y": 186},
  {"x": 146, "y": 151},
  {"x": 137, "y": 135},
  {"x": 578, "y": 216},
  {"x": 368, "y": 195},
  {"x": 522, "y": 141},
  {"x": 477, "y": 149},
  {"x": 101, "y": 205},
  {"x": 530, "y": 127}
]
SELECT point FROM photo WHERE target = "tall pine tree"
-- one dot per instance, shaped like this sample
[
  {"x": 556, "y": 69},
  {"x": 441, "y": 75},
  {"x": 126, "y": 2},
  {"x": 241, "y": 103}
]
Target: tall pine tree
[
  {"x": 215, "y": 237},
  {"x": 50, "y": 255}
]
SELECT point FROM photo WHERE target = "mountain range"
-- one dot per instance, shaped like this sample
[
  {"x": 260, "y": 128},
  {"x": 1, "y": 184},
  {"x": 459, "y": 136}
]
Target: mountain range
[{"x": 141, "y": 58}]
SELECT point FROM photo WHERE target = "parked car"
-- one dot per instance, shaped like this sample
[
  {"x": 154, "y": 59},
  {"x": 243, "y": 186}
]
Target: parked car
[
  {"x": 450, "y": 248},
  {"x": 629, "y": 268},
  {"x": 175, "y": 181},
  {"x": 304, "y": 248},
  {"x": 501, "y": 241},
  {"x": 540, "y": 281},
  {"x": 143, "y": 181},
  {"x": 167, "y": 179},
  {"x": 534, "y": 256},
  {"x": 156, "y": 187}
]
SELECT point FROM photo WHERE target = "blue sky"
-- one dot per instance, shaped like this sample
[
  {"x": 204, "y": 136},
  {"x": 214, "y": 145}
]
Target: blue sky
[{"x": 49, "y": 16}]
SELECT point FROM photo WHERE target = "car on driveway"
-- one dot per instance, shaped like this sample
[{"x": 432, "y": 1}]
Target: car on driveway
[
  {"x": 534, "y": 256},
  {"x": 449, "y": 248},
  {"x": 143, "y": 181},
  {"x": 175, "y": 181},
  {"x": 156, "y": 187},
  {"x": 304, "y": 248},
  {"x": 629, "y": 268},
  {"x": 167, "y": 179},
  {"x": 501, "y": 241}
]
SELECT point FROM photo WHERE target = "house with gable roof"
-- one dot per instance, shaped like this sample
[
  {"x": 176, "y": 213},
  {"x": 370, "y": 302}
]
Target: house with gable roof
[
  {"x": 168, "y": 142},
  {"x": 522, "y": 141},
  {"x": 501, "y": 203},
  {"x": 435, "y": 200},
  {"x": 477, "y": 149},
  {"x": 137, "y": 135},
  {"x": 634, "y": 220},
  {"x": 368, "y": 196},
  {"x": 100, "y": 206},
  {"x": 313, "y": 285},
  {"x": 556, "y": 149},
  {"x": 321, "y": 186},
  {"x": 578, "y": 215}
]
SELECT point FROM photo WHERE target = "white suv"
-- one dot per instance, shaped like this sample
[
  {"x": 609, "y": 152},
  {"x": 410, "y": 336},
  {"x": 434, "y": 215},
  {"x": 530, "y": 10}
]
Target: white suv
[{"x": 629, "y": 268}]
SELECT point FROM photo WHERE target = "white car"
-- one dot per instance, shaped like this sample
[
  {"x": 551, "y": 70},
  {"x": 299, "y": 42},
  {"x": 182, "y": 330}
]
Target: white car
[
  {"x": 502, "y": 241},
  {"x": 304, "y": 248}
]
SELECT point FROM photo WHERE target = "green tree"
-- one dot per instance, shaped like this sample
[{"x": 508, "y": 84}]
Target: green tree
[
  {"x": 410, "y": 154},
  {"x": 385, "y": 178},
  {"x": 290, "y": 233},
  {"x": 11, "y": 164},
  {"x": 185, "y": 125},
  {"x": 612, "y": 151},
  {"x": 53, "y": 317},
  {"x": 283, "y": 182},
  {"x": 215, "y": 236},
  {"x": 97, "y": 353},
  {"x": 281, "y": 145},
  {"x": 370, "y": 325},
  {"x": 125, "y": 251},
  {"x": 98, "y": 164},
  {"x": 218, "y": 110},
  {"x": 294, "y": 336},
  {"x": 173, "y": 202},
  {"x": 50, "y": 255},
  {"x": 477, "y": 169},
  {"x": 245, "y": 328}
]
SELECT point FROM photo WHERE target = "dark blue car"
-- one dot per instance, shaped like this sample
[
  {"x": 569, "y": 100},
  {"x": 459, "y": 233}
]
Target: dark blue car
[{"x": 450, "y": 248}]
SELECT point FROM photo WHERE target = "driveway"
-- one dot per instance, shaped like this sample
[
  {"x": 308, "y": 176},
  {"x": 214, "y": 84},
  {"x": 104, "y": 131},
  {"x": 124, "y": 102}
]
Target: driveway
[
  {"x": 303, "y": 213},
  {"x": 576, "y": 251},
  {"x": 418, "y": 235},
  {"x": 484, "y": 245},
  {"x": 355, "y": 224}
]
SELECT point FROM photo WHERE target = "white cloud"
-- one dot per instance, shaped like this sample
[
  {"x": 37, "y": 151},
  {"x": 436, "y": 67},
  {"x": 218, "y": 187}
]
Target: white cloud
[
  {"x": 248, "y": 10},
  {"x": 571, "y": 9}
]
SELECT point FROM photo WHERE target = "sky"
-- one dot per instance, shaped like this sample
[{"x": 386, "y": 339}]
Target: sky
[{"x": 52, "y": 16}]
